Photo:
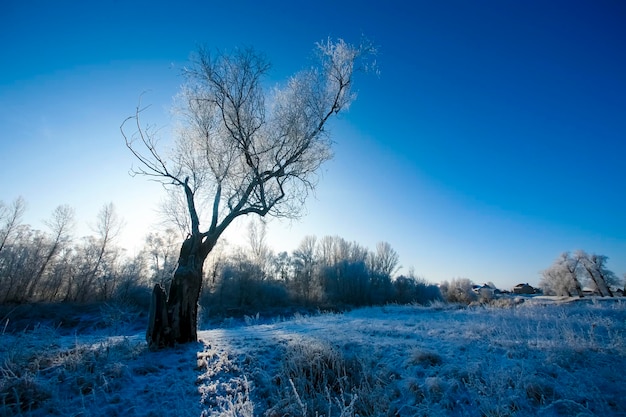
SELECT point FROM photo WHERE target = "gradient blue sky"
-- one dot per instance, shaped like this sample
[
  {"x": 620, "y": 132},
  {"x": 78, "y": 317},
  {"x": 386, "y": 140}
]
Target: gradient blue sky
[{"x": 493, "y": 140}]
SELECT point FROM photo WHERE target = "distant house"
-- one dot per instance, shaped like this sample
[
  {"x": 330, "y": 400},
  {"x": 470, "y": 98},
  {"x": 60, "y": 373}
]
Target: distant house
[
  {"x": 619, "y": 292},
  {"x": 524, "y": 289},
  {"x": 478, "y": 288},
  {"x": 587, "y": 291}
]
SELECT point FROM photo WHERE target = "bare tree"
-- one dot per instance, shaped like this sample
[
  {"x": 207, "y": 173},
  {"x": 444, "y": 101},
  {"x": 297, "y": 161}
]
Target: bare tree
[
  {"x": 257, "y": 239},
  {"x": 19, "y": 261},
  {"x": 244, "y": 152},
  {"x": 10, "y": 218},
  {"x": 384, "y": 261},
  {"x": 305, "y": 283},
  {"x": 597, "y": 273},
  {"x": 108, "y": 227},
  {"x": 561, "y": 278},
  {"x": 326, "y": 249},
  {"x": 555, "y": 281},
  {"x": 571, "y": 266},
  {"x": 60, "y": 224},
  {"x": 94, "y": 276},
  {"x": 282, "y": 267},
  {"x": 162, "y": 252},
  {"x": 382, "y": 265}
]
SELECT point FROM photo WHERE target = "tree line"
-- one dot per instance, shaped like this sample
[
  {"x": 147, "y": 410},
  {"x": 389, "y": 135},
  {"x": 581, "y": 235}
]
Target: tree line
[
  {"x": 571, "y": 272},
  {"x": 328, "y": 272},
  {"x": 53, "y": 265}
]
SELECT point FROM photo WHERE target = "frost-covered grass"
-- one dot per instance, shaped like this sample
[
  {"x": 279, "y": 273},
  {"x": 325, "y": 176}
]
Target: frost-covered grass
[
  {"x": 533, "y": 359},
  {"x": 537, "y": 358},
  {"x": 47, "y": 371}
]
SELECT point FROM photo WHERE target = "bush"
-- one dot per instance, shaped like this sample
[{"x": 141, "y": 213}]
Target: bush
[
  {"x": 459, "y": 290},
  {"x": 408, "y": 290}
]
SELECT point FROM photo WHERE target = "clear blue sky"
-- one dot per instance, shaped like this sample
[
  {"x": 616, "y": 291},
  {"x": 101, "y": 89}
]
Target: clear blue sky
[{"x": 493, "y": 140}]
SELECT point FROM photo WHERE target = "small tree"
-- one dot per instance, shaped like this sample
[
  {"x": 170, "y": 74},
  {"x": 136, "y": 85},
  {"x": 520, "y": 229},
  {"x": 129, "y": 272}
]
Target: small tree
[
  {"x": 94, "y": 275},
  {"x": 459, "y": 290},
  {"x": 161, "y": 249},
  {"x": 60, "y": 225},
  {"x": 242, "y": 150},
  {"x": 10, "y": 219},
  {"x": 382, "y": 264},
  {"x": 384, "y": 261},
  {"x": 305, "y": 282},
  {"x": 260, "y": 252}
]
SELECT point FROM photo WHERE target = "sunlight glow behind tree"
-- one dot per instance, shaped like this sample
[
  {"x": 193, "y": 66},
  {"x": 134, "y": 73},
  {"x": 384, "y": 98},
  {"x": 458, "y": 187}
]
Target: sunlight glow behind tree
[{"x": 244, "y": 152}]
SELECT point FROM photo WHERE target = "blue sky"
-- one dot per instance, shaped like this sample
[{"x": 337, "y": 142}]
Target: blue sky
[{"x": 493, "y": 139}]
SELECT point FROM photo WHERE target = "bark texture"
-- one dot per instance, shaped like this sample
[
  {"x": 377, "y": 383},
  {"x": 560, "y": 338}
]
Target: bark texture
[
  {"x": 158, "y": 321},
  {"x": 173, "y": 319}
]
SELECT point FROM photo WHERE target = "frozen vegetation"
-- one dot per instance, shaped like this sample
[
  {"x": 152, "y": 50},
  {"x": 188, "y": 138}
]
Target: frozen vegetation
[{"x": 545, "y": 357}]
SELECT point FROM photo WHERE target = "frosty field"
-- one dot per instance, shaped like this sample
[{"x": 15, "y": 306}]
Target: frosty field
[{"x": 543, "y": 357}]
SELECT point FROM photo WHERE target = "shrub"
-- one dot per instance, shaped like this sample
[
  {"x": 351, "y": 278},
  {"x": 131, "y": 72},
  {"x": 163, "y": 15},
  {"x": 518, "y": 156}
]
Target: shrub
[
  {"x": 459, "y": 290},
  {"x": 409, "y": 290}
]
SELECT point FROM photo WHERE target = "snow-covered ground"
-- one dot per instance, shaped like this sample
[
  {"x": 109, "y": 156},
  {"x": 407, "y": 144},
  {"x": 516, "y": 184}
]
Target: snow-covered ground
[{"x": 544, "y": 357}]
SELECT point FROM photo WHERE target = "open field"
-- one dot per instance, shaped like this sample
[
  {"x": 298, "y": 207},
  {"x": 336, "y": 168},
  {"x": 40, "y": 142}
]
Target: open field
[{"x": 541, "y": 357}]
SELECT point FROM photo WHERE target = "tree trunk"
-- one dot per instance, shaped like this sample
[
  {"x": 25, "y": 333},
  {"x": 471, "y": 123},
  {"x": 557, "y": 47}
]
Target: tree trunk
[
  {"x": 175, "y": 319},
  {"x": 158, "y": 321},
  {"x": 605, "y": 283},
  {"x": 594, "y": 280},
  {"x": 579, "y": 289}
]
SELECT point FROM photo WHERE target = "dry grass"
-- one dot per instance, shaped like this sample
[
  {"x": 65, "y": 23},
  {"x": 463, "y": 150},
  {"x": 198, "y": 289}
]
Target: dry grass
[
  {"x": 545, "y": 360},
  {"x": 45, "y": 370},
  {"x": 483, "y": 361}
]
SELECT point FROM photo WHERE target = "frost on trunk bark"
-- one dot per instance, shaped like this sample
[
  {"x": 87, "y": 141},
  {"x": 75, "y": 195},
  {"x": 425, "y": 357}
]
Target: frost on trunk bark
[{"x": 173, "y": 319}]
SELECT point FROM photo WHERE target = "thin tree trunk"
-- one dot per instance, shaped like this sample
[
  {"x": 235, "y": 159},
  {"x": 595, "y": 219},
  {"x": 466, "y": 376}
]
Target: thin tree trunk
[
  {"x": 574, "y": 278},
  {"x": 34, "y": 283},
  {"x": 595, "y": 281},
  {"x": 605, "y": 284},
  {"x": 579, "y": 289}
]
